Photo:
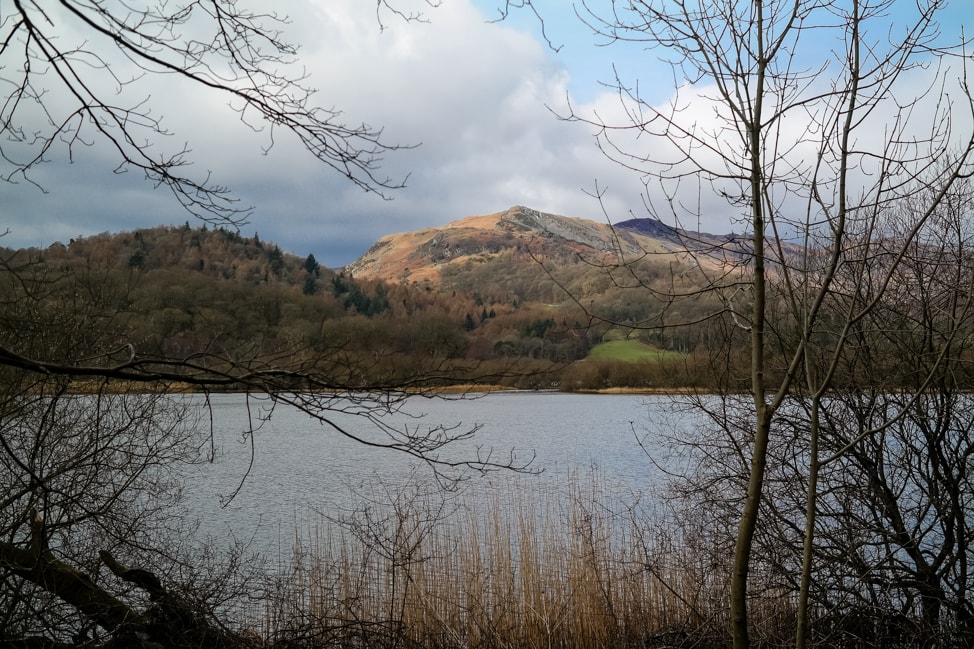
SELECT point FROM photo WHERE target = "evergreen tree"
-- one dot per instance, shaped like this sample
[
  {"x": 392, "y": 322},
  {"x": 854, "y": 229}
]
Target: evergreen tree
[
  {"x": 311, "y": 265},
  {"x": 276, "y": 259}
]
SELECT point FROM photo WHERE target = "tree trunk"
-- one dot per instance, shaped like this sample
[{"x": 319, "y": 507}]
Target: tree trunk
[{"x": 70, "y": 585}]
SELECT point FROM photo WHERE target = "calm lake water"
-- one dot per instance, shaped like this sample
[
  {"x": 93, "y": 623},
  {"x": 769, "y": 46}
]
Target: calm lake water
[{"x": 302, "y": 473}]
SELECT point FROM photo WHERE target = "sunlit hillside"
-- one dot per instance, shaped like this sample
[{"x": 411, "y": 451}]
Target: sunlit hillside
[{"x": 517, "y": 298}]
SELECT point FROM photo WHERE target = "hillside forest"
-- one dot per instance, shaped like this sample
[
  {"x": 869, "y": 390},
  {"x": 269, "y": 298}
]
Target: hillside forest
[{"x": 519, "y": 322}]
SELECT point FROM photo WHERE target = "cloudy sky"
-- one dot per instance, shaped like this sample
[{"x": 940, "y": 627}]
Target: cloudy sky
[{"x": 480, "y": 99}]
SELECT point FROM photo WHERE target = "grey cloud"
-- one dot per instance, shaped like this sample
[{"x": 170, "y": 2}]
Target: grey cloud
[{"x": 474, "y": 94}]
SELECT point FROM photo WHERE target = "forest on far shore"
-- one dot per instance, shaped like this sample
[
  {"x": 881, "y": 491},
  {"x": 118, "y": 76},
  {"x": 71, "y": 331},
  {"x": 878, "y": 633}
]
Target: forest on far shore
[{"x": 172, "y": 292}]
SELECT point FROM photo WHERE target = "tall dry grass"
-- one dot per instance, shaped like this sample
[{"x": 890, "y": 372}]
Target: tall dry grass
[{"x": 533, "y": 572}]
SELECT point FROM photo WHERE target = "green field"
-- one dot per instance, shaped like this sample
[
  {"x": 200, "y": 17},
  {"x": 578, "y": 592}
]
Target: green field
[{"x": 631, "y": 351}]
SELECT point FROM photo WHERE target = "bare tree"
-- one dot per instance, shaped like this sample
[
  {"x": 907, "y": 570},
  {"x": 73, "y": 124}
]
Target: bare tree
[
  {"x": 811, "y": 146},
  {"x": 893, "y": 446},
  {"x": 70, "y": 69},
  {"x": 864, "y": 516}
]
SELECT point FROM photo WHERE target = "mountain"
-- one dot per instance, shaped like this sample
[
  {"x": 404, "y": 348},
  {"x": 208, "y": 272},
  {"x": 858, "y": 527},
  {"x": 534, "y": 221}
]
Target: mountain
[
  {"x": 699, "y": 240},
  {"x": 485, "y": 293},
  {"x": 524, "y": 235}
]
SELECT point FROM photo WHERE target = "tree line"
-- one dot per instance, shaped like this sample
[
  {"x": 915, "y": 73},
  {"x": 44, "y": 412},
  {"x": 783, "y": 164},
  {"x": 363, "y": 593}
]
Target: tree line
[{"x": 181, "y": 290}]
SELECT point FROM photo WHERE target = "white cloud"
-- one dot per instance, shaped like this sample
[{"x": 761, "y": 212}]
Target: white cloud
[{"x": 473, "y": 93}]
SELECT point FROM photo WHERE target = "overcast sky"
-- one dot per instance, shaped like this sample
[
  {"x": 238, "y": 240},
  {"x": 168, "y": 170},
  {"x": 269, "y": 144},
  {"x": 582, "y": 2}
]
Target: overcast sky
[{"x": 478, "y": 97}]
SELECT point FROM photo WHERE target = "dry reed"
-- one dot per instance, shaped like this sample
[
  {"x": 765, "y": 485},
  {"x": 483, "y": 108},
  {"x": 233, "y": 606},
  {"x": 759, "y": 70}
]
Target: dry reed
[{"x": 531, "y": 573}]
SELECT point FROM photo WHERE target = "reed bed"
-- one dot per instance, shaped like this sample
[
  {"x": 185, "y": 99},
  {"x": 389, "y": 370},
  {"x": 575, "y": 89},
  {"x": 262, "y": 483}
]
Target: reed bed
[{"x": 526, "y": 571}]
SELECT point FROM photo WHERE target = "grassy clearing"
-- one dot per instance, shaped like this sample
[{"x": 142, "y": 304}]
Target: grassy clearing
[
  {"x": 631, "y": 351},
  {"x": 617, "y": 346}
]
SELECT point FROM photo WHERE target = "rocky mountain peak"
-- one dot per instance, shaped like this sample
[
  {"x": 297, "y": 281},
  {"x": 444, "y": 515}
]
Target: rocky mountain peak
[{"x": 519, "y": 231}]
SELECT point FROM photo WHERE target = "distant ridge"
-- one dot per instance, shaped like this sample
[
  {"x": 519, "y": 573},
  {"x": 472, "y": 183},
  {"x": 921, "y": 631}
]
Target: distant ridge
[
  {"x": 521, "y": 233},
  {"x": 652, "y": 228}
]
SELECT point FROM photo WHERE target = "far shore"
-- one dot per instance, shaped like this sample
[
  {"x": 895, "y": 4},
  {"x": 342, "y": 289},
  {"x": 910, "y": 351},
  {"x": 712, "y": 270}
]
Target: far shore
[{"x": 123, "y": 387}]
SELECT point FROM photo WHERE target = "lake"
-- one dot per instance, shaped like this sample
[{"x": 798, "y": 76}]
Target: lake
[{"x": 302, "y": 473}]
